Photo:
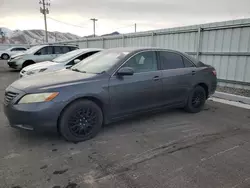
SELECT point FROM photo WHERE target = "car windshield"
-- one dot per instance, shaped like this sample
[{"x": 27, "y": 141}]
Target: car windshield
[
  {"x": 33, "y": 49},
  {"x": 8, "y": 49},
  {"x": 100, "y": 62},
  {"x": 68, "y": 56}
]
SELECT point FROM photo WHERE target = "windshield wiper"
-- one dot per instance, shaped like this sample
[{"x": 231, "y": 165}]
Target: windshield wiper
[{"x": 77, "y": 70}]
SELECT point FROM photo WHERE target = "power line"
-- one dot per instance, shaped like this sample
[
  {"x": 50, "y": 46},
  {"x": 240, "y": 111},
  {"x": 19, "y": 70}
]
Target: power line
[{"x": 66, "y": 23}]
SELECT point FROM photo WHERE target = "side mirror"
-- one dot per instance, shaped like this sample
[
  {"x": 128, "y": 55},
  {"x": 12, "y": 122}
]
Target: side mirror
[
  {"x": 76, "y": 61},
  {"x": 125, "y": 71}
]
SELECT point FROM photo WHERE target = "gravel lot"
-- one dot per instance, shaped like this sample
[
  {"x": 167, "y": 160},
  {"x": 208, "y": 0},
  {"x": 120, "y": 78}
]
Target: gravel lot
[
  {"x": 235, "y": 91},
  {"x": 172, "y": 149}
]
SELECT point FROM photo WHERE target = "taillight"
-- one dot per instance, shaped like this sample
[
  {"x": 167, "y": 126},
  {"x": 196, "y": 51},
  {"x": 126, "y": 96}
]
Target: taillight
[{"x": 214, "y": 72}]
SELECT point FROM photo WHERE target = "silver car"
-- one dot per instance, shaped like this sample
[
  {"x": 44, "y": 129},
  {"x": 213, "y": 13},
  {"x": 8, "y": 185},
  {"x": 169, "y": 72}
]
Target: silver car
[
  {"x": 64, "y": 61},
  {"x": 6, "y": 54},
  {"x": 38, "y": 54}
]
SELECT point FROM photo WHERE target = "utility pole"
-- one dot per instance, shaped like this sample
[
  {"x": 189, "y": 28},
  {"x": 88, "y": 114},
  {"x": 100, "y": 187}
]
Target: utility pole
[
  {"x": 55, "y": 37},
  {"x": 94, "y": 20},
  {"x": 2, "y": 36},
  {"x": 135, "y": 27},
  {"x": 45, "y": 10}
]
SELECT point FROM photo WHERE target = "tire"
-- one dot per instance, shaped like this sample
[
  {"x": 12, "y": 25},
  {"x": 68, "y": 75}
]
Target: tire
[
  {"x": 5, "y": 56},
  {"x": 80, "y": 121},
  {"x": 196, "y": 100},
  {"x": 27, "y": 63}
]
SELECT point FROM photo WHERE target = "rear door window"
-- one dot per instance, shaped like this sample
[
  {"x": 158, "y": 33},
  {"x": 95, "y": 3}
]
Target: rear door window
[
  {"x": 143, "y": 62},
  {"x": 58, "y": 50},
  {"x": 65, "y": 49},
  {"x": 20, "y": 49},
  {"x": 170, "y": 60}
]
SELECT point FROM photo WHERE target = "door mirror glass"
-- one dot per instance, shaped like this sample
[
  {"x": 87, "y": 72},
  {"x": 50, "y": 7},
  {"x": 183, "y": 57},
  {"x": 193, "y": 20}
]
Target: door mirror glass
[
  {"x": 76, "y": 61},
  {"x": 125, "y": 71}
]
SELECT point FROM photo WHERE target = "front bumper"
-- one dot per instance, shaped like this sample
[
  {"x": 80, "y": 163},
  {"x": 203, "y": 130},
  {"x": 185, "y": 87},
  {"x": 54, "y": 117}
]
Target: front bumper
[
  {"x": 14, "y": 65},
  {"x": 36, "y": 116}
]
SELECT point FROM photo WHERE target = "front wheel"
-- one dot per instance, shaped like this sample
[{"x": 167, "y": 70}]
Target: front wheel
[
  {"x": 81, "y": 121},
  {"x": 5, "y": 56},
  {"x": 196, "y": 100}
]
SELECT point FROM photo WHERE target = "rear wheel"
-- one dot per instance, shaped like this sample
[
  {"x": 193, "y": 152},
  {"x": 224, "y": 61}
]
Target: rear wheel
[
  {"x": 196, "y": 100},
  {"x": 5, "y": 56},
  {"x": 81, "y": 121}
]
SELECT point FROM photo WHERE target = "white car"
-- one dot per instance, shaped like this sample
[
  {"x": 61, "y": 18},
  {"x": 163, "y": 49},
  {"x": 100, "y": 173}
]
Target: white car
[
  {"x": 6, "y": 54},
  {"x": 64, "y": 61},
  {"x": 38, "y": 54}
]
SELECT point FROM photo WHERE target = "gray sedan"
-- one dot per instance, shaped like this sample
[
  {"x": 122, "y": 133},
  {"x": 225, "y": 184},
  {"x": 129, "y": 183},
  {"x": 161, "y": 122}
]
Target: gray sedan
[{"x": 107, "y": 86}]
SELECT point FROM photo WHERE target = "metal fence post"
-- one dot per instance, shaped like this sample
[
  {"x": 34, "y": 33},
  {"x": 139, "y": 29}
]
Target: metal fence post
[
  {"x": 152, "y": 39},
  {"x": 103, "y": 44},
  {"x": 199, "y": 40},
  {"x": 123, "y": 41}
]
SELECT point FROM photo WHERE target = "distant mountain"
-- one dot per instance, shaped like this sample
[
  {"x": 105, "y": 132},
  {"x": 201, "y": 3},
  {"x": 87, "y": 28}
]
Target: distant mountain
[
  {"x": 34, "y": 36},
  {"x": 114, "y": 33}
]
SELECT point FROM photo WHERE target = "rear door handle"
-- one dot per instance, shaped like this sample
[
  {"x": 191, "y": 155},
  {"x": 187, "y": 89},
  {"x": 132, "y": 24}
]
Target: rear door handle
[
  {"x": 193, "y": 72},
  {"x": 156, "y": 78}
]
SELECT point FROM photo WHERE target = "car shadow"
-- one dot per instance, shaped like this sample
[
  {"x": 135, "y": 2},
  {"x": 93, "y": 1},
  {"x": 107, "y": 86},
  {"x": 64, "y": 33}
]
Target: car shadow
[
  {"x": 134, "y": 119},
  {"x": 13, "y": 70}
]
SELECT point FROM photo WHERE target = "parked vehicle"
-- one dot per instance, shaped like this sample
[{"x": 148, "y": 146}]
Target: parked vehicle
[
  {"x": 63, "y": 61},
  {"x": 107, "y": 86},
  {"x": 38, "y": 54},
  {"x": 6, "y": 54}
]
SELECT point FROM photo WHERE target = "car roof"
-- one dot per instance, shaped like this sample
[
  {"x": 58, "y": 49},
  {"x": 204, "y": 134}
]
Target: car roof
[
  {"x": 44, "y": 45},
  {"x": 140, "y": 49},
  {"x": 134, "y": 49},
  {"x": 88, "y": 49}
]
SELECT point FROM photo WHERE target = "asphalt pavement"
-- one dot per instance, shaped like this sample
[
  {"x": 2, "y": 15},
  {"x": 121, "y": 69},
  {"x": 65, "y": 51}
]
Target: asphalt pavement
[{"x": 171, "y": 149}]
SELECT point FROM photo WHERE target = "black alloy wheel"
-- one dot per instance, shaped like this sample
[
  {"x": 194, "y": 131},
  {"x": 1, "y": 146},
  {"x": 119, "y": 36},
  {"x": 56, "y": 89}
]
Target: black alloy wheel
[
  {"x": 196, "y": 100},
  {"x": 80, "y": 121}
]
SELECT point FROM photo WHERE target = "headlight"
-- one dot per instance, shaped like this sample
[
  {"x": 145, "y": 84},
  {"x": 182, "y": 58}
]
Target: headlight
[
  {"x": 35, "y": 71},
  {"x": 38, "y": 97},
  {"x": 18, "y": 57}
]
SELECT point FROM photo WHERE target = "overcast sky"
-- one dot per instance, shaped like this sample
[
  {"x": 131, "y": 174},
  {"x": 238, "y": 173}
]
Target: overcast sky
[{"x": 119, "y": 15}]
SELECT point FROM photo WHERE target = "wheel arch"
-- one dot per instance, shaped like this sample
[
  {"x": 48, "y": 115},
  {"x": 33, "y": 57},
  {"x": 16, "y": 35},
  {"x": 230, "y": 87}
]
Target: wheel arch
[
  {"x": 5, "y": 54},
  {"x": 205, "y": 87},
  {"x": 28, "y": 62},
  {"x": 94, "y": 99}
]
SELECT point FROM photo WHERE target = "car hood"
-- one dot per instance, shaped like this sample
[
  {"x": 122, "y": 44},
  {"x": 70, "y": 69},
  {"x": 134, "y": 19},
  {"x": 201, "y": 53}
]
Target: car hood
[
  {"x": 43, "y": 65},
  {"x": 17, "y": 55},
  {"x": 52, "y": 80}
]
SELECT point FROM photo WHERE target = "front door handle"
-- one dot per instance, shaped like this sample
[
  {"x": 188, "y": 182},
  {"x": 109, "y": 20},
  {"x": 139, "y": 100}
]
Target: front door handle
[
  {"x": 193, "y": 72},
  {"x": 156, "y": 78}
]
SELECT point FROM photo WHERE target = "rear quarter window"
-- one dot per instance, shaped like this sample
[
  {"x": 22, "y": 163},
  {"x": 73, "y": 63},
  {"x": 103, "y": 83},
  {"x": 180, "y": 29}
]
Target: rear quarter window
[
  {"x": 71, "y": 48},
  {"x": 187, "y": 62}
]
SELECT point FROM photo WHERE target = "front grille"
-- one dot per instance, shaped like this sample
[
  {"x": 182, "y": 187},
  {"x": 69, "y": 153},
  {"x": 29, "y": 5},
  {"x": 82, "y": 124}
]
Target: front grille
[
  {"x": 9, "y": 96},
  {"x": 12, "y": 64}
]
